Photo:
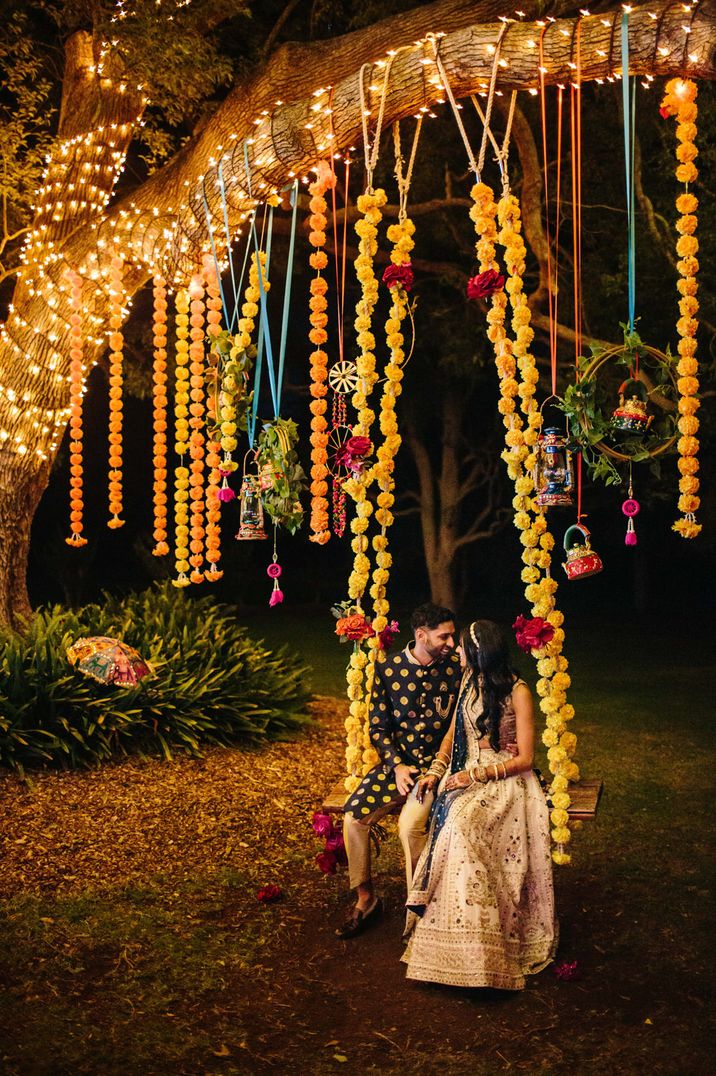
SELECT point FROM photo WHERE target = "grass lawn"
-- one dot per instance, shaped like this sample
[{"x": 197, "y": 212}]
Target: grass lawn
[{"x": 133, "y": 941}]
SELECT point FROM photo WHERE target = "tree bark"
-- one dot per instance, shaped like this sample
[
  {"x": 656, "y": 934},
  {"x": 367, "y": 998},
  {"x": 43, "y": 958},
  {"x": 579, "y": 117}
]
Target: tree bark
[{"x": 163, "y": 223}]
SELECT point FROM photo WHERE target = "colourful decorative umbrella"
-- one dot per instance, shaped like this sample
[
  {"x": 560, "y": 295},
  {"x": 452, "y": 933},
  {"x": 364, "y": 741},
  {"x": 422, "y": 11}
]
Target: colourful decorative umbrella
[{"x": 109, "y": 661}]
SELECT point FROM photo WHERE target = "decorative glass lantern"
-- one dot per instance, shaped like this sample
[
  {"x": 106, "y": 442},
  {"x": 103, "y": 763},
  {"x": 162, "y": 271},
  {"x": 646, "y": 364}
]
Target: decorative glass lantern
[
  {"x": 631, "y": 415},
  {"x": 553, "y": 475},
  {"x": 251, "y": 519}
]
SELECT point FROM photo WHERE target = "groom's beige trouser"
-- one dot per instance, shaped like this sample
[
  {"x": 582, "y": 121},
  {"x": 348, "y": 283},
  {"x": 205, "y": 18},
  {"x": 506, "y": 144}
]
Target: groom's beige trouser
[{"x": 412, "y": 830}]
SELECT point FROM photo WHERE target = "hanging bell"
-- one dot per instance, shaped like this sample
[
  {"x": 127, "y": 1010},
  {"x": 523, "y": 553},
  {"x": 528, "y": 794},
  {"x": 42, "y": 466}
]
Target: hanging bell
[
  {"x": 553, "y": 475},
  {"x": 631, "y": 415},
  {"x": 251, "y": 517},
  {"x": 581, "y": 559}
]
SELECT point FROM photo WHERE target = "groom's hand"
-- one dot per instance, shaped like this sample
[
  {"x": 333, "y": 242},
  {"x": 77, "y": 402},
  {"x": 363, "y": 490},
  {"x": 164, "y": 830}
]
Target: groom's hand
[{"x": 404, "y": 778}]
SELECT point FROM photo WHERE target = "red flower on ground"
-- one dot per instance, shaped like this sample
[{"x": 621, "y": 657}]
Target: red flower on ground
[
  {"x": 267, "y": 894},
  {"x": 322, "y": 824},
  {"x": 328, "y": 862},
  {"x": 532, "y": 634},
  {"x": 399, "y": 276},
  {"x": 567, "y": 971},
  {"x": 485, "y": 284}
]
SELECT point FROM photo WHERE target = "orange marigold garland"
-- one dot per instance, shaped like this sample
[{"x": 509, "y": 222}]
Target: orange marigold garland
[
  {"x": 196, "y": 422},
  {"x": 213, "y": 447},
  {"x": 116, "y": 343},
  {"x": 181, "y": 433},
  {"x": 76, "y": 432},
  {"x": 159, "y": 377},
  {"x": 680, "y": 102},
  {"x": 319, "y": 359}
]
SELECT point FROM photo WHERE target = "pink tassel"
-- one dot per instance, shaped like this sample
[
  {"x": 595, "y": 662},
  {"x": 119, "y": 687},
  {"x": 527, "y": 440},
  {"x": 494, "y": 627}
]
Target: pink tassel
[
  {"x": 276, "y": 597},
  {"x": 630, "y": 538}
]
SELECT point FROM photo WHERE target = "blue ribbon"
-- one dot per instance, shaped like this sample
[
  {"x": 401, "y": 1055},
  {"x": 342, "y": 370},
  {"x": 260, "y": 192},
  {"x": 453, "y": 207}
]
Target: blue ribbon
[{"x": 629, "y": 140}]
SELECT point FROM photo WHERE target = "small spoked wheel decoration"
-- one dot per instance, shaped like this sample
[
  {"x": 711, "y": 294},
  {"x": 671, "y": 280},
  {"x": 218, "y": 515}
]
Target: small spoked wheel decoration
[
  {"x": 343, "y": 377},
  {"x": 336, "y": 441}
]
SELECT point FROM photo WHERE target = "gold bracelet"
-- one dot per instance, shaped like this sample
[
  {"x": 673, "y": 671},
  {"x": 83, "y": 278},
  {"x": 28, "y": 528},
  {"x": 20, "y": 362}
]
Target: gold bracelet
[{"x": 504, "y": 771}]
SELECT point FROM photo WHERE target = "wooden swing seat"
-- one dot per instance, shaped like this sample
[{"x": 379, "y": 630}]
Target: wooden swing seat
[{"x": 584, "y": 795}]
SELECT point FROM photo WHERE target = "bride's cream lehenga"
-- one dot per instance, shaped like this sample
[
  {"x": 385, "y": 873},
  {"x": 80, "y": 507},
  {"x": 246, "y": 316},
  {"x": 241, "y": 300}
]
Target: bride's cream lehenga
[{"x": 481, "y": 910}]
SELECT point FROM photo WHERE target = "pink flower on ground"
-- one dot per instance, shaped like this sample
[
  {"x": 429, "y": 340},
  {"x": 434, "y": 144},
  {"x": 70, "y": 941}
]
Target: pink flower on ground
[
  {"x": 267, "y": 894},
  {"x": 327, "y": 861},
  {"x": 567, "y": 971},
  {"x": 485, "y": 284},
  {"x": 401, "y": 276},
  {"x": 532, "y": 634},
  {"x": 322, "y": 824}
]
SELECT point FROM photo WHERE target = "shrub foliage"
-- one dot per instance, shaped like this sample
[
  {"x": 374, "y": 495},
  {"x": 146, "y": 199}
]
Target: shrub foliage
[{"x": 213, "y": 684}]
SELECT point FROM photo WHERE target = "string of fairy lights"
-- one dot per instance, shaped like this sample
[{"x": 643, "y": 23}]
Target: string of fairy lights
[{"x": 82, "y": 172}]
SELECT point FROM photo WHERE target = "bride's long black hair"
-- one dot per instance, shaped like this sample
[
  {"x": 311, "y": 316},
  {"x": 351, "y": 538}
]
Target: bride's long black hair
[{"x": 487, "y": 654}]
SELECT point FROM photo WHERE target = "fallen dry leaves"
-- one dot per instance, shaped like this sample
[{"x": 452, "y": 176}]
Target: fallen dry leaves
[{"x": 141, "y": 818}]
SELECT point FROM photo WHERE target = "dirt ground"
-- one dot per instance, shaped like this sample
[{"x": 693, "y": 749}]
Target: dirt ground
[{"x": 134, "y": 942}]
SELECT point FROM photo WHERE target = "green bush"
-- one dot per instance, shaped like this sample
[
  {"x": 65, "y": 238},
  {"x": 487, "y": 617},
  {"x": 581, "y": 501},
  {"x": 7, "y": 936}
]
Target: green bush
[{"x": 213, "y": 684}]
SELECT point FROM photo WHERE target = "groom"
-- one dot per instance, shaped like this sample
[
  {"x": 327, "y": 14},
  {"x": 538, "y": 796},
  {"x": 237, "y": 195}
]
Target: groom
[{"x": 412, "y": 703}]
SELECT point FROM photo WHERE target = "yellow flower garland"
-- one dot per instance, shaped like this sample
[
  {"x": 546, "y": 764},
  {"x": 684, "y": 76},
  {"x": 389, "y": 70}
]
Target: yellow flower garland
[
  {"x": 370, "y": 205},
  {"x": 536, "y": 541},
  {"x": 196, "y": 440},
  {"x": 319, "y": 365},
  {"x": 680, "y": 101},
  {"x": 159, "y": 378},
  {"x": 213, "y": 447},
  {"x": 181, "y": 433}
]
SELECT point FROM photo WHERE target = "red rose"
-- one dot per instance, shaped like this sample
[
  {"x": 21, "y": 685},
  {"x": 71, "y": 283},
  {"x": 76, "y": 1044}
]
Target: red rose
[
  {"x": 267, "y": 894},
  {"x": 387, "y": 636},
  {"x": 354, "y": 627},
  {"x": 532, "y": 634},
  {"x": 322, "y": 824},
  {"x": 400, "y": 276},
  {"x": 484, "y": 285},
  {"x": 327, "y": 861}
]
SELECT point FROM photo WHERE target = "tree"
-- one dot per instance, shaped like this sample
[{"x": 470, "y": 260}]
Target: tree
[{"x": 162, "y": 223}]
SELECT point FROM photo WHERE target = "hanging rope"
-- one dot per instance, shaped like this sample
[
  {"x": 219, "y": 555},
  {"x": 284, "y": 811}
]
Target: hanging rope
[
  {"x": 629, "y": 137},
  {"x": 576, "y": 140},
  {"x": 404, "y": 180},
  {"x": 371, "y": 151}
]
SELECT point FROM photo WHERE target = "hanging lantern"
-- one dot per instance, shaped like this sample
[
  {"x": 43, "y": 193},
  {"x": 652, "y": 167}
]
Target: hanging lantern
[
  {"x": 553, "y": 475},
  {"x": 631, "y": 415},
  {"x": 251, "y": 519},
  {"x": 581, "y": 559}
]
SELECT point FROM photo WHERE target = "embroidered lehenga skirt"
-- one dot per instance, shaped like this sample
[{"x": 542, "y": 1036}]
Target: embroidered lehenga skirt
[{"x": 481, "y": 911}]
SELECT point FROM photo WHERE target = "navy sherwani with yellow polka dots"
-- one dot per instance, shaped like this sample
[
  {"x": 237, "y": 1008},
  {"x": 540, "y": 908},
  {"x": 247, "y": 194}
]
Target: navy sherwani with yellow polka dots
[{"x": 409, "y": 713}]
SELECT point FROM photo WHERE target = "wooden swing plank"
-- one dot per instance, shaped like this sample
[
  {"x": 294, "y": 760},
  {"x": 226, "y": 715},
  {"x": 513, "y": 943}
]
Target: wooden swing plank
[{"x": 584, "y": 795}]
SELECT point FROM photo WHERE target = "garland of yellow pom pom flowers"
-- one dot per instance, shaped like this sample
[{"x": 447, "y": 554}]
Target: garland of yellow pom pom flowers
[
  {"x": 116, "y": 343},
  {"x": 319, "y": 359},
  {"x": 213, "y": 446},
  {"x": 197, "y": 495},
  {"x": 520, "y": 440},
  {"x": 159, "y": 377},
  {"x": 181, "y": 434},
  {"x": 76, "y": 432},
  {"x": 370, "y": 207},
  {"x": 680, "y": 102}
]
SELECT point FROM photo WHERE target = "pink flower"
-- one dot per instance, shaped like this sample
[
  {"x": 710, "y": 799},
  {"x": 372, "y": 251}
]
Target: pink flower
[
  {"x": 335, "y": 845},
  {"x": 322, "y": 824},
  {"x": 399, "y": 276},
  {"x": 567, "y": 971},
  {"x": 532, "y": 634},
  {"x": 276, "y": 598},
  {"x": 226, "y": 493},
  {"x": 386, "y": 637},
  {"x": 354, "y": 451},
  {"x": 327, "y": 861},
  {"x": 267, "y": 894},
  {"x": 485, "y": 284}
]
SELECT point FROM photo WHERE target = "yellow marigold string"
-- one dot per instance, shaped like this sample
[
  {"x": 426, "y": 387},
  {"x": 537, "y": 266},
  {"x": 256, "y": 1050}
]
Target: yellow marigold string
[
  {"x": 319, "y": 523},
  {"x": 181, "y": 447},
  {"x": 159, "y": 378},
  {"x": 536, "y": 541},
  {"x": 116, "y": 360},
  {"x": 213, "y": 446},
  {"x": 197, "y": 495},
  {"x": 76, "y": 431},
  {"x": 369, "y": 206},
  {"x": 680, "y": 101}
]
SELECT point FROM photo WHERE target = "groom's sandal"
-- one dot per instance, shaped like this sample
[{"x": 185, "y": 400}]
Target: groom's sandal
[{"x": 359, "y": 921}]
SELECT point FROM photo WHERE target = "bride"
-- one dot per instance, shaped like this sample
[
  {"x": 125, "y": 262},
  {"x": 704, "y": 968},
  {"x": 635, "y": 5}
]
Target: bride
[{"x": 481, "y": 909}]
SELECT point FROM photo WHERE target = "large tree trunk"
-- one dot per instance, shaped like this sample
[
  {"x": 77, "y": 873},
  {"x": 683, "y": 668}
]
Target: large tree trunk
[{"x": 164, "y": 223}]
